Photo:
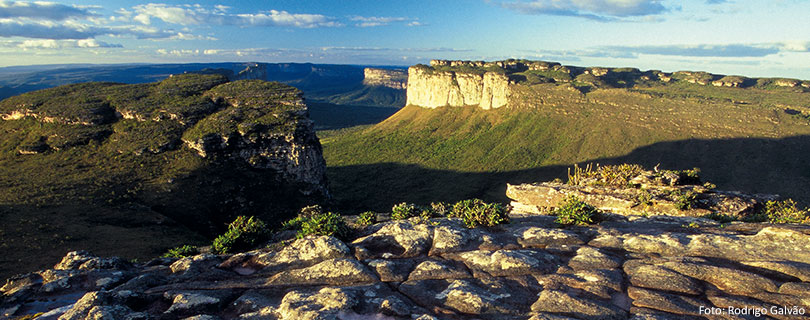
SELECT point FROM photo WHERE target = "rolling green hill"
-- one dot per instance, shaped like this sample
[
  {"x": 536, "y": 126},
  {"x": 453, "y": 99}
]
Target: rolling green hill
[{"x": 754, "y": 139}]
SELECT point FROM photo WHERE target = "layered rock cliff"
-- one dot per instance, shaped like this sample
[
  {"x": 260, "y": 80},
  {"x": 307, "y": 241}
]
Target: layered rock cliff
[
  {"x": 391, "y": 78},
  {"x": 431, "y": 88}
]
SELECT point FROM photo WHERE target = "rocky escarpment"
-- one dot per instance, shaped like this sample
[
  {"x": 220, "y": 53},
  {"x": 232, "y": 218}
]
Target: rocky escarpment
[
  {"x": 655, "y": 267},
  {"x": 490, "y": 85},
  {"x": 391, "y": 78},
  {"x": 432, "y": 88}
]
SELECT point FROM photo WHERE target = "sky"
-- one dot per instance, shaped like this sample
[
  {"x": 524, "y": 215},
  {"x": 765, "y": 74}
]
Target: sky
[{"x": 752, "y": 38}]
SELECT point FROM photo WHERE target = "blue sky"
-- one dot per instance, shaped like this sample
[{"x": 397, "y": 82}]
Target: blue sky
[{"x": 753, "y": 38}]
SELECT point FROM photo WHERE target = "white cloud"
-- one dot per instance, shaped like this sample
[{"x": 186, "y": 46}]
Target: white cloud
[
  {"x": 376, "y": 21},
  {"x": 41, "y": 10},
  {"x": 61, "y": 44},
  {"x": 197, "y": 15},
  {"x": 602, "y": 10}
]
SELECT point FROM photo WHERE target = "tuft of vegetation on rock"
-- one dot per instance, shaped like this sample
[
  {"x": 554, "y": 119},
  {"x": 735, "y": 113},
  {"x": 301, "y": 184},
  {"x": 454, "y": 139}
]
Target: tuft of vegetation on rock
[
  {"x": 572, "y": 211},
  {"x": 181, "y": 252},
  {"x": 784, "y": 211},
  {"x": 324, "y": 224},
  {"x": 684, "y": 200},
  {"x": 476, "y": 212},
  {"x": 243, "y": 233},
  {"x": 610, "y": 175},
  {"x": 404, "y": 211},
  {"x": 367, "y": 218}
]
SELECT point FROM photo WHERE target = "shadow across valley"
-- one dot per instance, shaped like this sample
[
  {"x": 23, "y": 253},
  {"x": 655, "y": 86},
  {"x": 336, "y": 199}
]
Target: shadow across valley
[{"x": 755, "y": 165}]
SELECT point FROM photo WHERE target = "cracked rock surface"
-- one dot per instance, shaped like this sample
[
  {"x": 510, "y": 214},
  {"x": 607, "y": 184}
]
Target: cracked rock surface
[{"x": 658, "y": 267}]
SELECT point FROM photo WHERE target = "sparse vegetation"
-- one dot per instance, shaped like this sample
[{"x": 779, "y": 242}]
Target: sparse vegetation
[
  {"x": 324, "y": 224},
  {"x": 719, "y": 217},
  {"x": 367, "y": 218},
  {"x": 610, "y": 175},
  {"x": 404, "y": 211},
  {"x": 181, "y": 252},
  {"x": 785, "y": 211},
  {"x": 684, "y": 200},
  {"x": 476, "y": 212},
  {"x": 243, "y": 233},
  {"x": 573, "y": 211}
]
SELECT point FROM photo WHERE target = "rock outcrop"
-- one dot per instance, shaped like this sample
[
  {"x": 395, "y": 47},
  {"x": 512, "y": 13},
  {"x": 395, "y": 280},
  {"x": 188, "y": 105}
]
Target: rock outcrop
[
  {"x": 633, "y": 267},
  {"x": 391, "y": 78},
  {"x": 431, "y": 88}
]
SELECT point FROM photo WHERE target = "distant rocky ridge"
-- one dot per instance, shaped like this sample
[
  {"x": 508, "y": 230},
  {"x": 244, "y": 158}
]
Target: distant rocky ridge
[
  {"x": 624, "y": 267},
  {"x": 391, "y": 78},
  {"x": 489, "y": 85}
]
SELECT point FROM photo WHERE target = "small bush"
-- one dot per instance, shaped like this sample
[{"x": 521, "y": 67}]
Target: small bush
[
  {"x": 684, "y": 200},
  {"x": 572, "y": 211},
  {"x": 440, "y": 208},
  {"x": 367, "y": 218},
  {"x": 324, "y": 224},
  {"x": 181, "y": 252},
  {"x": 644, "y": 197},
  {"x": 785, "y": 212},
  {"x": 243, "y": 233},
  {"x": 719, "y": 217},
  {"x": 404, "y": 211},
  {"x": 610, "y": 175},
  {"x": 476, "y": 212}
]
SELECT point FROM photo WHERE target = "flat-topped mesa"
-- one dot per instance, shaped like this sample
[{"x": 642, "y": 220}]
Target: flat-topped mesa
[
  {"x": 431, "y": 87},
  {"x": 391, "y": 78},
  {"x": 490, "y": 85}
]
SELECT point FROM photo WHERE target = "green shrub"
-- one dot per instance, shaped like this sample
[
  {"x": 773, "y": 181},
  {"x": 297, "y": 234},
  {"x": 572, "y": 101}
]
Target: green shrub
[
  {"x": 476, "y": 212},
  {"x": 243, "y": 233},
  {"x": 610, "y": 175},
  {"x": 785, "y": 212},
  {"x": 324, "y": 224},
  {"x": 404, "y": 211},
  {"x": 181, "y": 252},
  {"x": 719, "y": 217},
  {"x": 684, "y": 200},
  {"x": 367, "y": 218},
  {"x": 572, "y": 211},
  {"x": 440, "y": 208}
]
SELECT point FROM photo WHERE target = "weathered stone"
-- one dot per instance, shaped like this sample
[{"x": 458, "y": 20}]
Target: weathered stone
[
  {"x": 303, "y": 253},
  {"x": 396, "y": 239},
  {"x": 588, "y": 258},
  {"x": 450, "y": 238},
  {"x": 659, "y": 278},
  {"x": 799, "y": 289},
  {"x": 84, "y": 260},
  {"x": 250, "y": 301},
  {"x": 665, "y": 301},
  {"x": 323, "y": 304},
  {"x": 509, "y": 262},
  {"x": 392, "y": 270},
  {"x": 565, "y": 303},
  {"x": 467, "y": 298},
  {"x": 191, "y": 303},
  {"x": 196, "y": 264},
  {"x": 726, "y": 279},
  {"x": 433, "y": 269},
  {"x": 100, "y": 305},
  {"x": 432, "y": 89},
  {"x": 329, "y": 272},
  {"x": 794, "y": 269},
  {"x": 533, "y": 237},
  {"x": 391, "y": 78}
]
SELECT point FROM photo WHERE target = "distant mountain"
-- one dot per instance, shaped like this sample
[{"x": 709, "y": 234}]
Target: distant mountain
[{"x": 338, "y": 84}]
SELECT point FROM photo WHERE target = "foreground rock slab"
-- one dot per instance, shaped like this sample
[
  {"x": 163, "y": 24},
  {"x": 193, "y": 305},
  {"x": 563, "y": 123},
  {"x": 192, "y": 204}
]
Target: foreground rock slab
[{"x": 657, "y": 267}]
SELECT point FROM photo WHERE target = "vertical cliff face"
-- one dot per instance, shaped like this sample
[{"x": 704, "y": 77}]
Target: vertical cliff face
[
  {"x": 431, "y": 87},
  {"x": 391, "y": 78}
]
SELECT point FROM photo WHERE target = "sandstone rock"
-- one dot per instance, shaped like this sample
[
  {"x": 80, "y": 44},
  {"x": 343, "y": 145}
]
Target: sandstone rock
[
  {"x": 533, "y": 237},
  {"x": 450, "y": 238},
  {"x": 799, "y": 289},
  {"x": 565, "y": 303},
  {"x": 191, "y": 303},
  {"x": 396, "y": 239},
  {"x": 323, "y": 304},
  {"x": 659, "y": 278},
  {"x": 392, "y": 270},
  {"x": 86, "y": 261},
  {"x": 329, "y": 272},
  {"x": 303, "y": 253},
  {"x": 665, "y": 302},
  {"x": 100, "y": 305},
  {"x": 509, "y": 262},
  {"x": 726, "y": 279},
  {"x": 794, "y": 269},
  {"x": 470, "y": 299},
  {"x": 433, "y": 269},
  {"x": 391, "y": 78},
  {"x": 588, "y": 258},
  {"x": 432, "y": 89},
  {"x": 250, "y": 301}
]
